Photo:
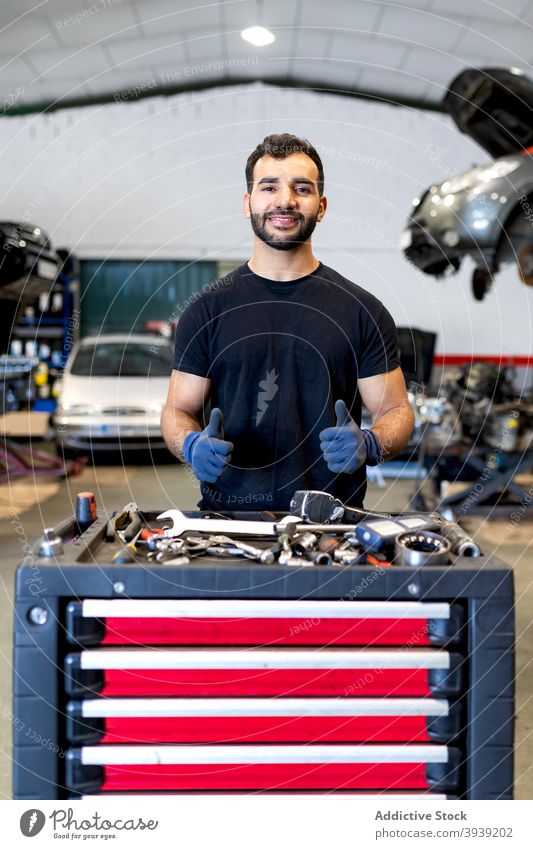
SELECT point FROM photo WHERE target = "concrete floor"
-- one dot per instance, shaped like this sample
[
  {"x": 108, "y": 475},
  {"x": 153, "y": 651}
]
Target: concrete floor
[{"x": 28, "y": 505}]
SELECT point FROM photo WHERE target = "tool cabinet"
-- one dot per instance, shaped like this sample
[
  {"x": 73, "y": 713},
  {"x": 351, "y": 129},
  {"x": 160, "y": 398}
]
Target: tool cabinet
[{"x": 243, "y": 677}]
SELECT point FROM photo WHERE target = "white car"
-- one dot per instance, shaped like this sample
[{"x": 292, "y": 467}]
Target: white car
[{"x": 112, "y": 393}]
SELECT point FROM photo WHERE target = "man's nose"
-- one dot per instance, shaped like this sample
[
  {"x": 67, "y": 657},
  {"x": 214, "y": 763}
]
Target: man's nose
[{"x": 286, "y": 197}]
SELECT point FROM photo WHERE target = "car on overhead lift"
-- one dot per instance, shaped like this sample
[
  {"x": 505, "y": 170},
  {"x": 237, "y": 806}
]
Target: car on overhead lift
[
  {"x": 486, "y": 212},
  {"x": 112, "y": 392}
]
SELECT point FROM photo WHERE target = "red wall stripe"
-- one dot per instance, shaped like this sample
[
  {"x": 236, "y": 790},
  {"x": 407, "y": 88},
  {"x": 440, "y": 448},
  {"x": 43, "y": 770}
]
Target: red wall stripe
[{"x": 499, "y": 359}]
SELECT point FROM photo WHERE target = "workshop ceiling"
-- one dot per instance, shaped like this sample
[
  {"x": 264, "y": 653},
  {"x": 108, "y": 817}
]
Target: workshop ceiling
[{"x": 59, "y": 52}]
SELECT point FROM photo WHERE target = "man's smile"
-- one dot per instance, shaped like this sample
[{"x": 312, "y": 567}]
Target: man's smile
[{"x": 284, "y": 222}]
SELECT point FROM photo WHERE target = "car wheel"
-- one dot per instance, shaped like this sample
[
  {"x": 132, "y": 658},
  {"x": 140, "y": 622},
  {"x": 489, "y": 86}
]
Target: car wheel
[
  {"x": 525, "y": 264},
  {"x": 481, "y": 283}
]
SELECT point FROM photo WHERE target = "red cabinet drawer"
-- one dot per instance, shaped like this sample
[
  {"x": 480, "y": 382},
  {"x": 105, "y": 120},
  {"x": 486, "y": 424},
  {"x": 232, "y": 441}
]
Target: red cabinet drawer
[
  {"x": 260, "y": 720},
  {"x": 263, "y": 672},
  {"x": 117, "y": 768},
  {"x": 261, "y": 622}
]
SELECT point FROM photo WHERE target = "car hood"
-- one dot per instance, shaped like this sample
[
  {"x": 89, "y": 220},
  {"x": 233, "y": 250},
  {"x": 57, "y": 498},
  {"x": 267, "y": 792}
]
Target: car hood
[
  {"x": 493, "y": 106},
  {"x": 108, "y": 392}
]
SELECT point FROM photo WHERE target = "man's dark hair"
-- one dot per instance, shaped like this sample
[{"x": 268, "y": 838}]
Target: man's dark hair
[{"x": 279, "y": 147}]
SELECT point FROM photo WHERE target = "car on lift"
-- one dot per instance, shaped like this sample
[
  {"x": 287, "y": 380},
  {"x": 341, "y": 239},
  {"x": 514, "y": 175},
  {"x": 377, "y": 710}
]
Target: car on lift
[
  {"x": 486, "y": 212},
  {"x": 112, "y": 393}
]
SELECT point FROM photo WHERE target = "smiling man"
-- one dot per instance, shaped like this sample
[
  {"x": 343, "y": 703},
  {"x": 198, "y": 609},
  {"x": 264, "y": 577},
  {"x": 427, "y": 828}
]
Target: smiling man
[{"x": 286, "y": 350}]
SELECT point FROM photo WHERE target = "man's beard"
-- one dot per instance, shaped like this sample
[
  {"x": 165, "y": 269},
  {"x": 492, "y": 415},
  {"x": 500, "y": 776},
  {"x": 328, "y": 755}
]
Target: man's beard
[{"x": 278, "y": 241}]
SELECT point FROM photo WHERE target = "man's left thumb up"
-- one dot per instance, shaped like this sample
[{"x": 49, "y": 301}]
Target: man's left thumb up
[{"x": 343, "y": 416}]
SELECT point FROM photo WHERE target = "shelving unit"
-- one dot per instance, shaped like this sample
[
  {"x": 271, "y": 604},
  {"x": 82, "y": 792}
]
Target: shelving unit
[{"x": 58, "y": 329}]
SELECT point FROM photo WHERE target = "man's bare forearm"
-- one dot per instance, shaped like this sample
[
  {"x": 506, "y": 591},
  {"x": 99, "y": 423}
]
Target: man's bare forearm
[
  {"x": 394, "y": 428},
  {"x": 175, "y": 425}
]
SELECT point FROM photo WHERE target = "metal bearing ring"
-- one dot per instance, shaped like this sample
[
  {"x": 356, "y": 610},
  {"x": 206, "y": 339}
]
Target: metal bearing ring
[{"x": 421, "y": 548}]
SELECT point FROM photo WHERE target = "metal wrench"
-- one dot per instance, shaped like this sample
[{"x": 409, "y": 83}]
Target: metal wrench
[{"x": 182, "y": 523}]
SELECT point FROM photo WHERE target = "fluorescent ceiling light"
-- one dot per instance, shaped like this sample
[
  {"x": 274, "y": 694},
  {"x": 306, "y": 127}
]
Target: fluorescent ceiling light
[{"x": 258, "y": 36}]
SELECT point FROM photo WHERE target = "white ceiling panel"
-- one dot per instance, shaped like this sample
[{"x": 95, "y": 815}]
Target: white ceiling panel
[
  {"x": 313, "y": 42},
  {"x": 527, "y": 19},
  {"x": 405, "y": 4},
  {"x": 148, "y": 51},
  {"x": 500, "y": 11},
  {"x": 373, "y": 50},
  {"x": 494, "y": 41},
  {"x": 348, "y": 43},
  {"x": 247, "y": 13},
  {"x": 123, "y": 82},
  {"x": 420, "y": 27},
  {"x": 19, "y": 9},
  {"x": 16, "y": 77},
  {"x": 266, "y": 69},
  {"x": 235, "y": 48},
  {"x": 437, "y": 67},
  {"x": 162, "y": 16},
  {"x": 107, "y": 22},
  {"x": 25, "y": 35},
  {"x": 352, "y": 14},
  {"x": 59, "y": 65},
  {"x": 432, "y": 93},
  {"x": 329, "y": 73},
  {"x": 201, "y": 68},
  {"x": 53, "y": 90},
  {"x": 392, "y": 82}
]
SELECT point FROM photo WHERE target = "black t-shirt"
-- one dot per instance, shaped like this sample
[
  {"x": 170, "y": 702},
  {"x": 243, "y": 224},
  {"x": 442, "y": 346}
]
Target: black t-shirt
[{"x": 278, "y": 356}]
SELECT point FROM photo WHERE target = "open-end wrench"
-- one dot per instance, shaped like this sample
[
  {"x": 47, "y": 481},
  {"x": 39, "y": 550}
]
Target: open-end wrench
[{"x": 182, "y": 523}]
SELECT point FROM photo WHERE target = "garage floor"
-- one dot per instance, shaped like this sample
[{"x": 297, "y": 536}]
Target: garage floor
[{"x": 28, "y": 505}]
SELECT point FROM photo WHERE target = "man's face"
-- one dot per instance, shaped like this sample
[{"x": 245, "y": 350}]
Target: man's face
[{"x": 284, "y": 204}]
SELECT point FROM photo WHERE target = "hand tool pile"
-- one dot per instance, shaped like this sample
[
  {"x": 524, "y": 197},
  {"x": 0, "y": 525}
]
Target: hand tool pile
[{"x": 312, "y": 535}]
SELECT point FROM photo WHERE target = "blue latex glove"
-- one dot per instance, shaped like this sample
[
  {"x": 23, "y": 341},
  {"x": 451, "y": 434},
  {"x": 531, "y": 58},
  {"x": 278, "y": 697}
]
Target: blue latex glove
[
  {"x": 207, "y": 451},
  {"x": 346, "y": 447}
]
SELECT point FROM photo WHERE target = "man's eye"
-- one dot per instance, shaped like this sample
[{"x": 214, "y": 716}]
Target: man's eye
[
  {"x": 303, "y": 189},
  {"x": 268, "y": 188}
]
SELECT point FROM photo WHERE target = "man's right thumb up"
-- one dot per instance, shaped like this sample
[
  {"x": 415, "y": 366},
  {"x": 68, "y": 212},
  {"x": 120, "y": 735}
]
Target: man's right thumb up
[
  {"x": 207, "y": 451},
  {"x": 215, "y": 426}
]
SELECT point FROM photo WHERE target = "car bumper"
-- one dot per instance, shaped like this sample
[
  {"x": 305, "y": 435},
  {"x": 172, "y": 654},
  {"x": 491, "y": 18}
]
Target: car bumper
[
  {"x": 425, "y": 252},
  {"x": 106, "y": 435}
]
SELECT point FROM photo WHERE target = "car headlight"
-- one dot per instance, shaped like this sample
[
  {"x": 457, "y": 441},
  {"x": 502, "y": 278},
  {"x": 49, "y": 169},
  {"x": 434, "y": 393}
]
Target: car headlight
[
  {"x": 498, "y": 170},
  {"x": 478, "y": 175},
  {"x": 77, "y": 410},
  {"x": 463, "y": 181}
]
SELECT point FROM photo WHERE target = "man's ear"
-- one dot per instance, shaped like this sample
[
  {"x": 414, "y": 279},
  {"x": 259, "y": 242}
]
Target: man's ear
[
  {"x": 246, "y": 205},
  {"x": 322, "y": 208}
]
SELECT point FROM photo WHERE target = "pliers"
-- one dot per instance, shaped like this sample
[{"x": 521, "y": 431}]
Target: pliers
[{"x": 125, "y": 525}]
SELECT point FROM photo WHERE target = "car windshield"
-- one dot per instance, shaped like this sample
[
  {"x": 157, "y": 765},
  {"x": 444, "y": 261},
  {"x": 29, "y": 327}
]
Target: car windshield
[{"x": 124, "y": 359}]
